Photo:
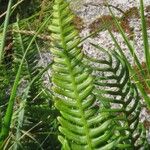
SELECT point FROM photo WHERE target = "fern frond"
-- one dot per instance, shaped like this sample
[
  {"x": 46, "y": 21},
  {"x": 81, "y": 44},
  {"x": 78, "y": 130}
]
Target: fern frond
[
  {"x": 20, "y": 44},
  {"x": 35, "y": 104},
  {"x": 81, "y": 126},
  {"x": 118, "y": 94}
]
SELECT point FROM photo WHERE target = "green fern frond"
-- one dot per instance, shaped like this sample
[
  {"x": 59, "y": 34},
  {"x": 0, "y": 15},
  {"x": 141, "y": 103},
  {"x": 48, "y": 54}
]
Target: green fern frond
[
  {"x": 20, "y": 44},
  {"x": 81, "y": 126},
  {"x": 34, "y": 108},
  {"x": 31, "y": 113},
  {"x": 118, "y": 94}
]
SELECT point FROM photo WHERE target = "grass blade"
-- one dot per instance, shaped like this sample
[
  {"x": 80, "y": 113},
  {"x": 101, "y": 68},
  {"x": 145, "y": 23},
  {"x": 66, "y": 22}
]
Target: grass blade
[
  {"x": 5, "y": 29},
  {"x": 8, "y": 115},
  {"x": 130, "y": 47},
  {"x": 145, "y": 36}
]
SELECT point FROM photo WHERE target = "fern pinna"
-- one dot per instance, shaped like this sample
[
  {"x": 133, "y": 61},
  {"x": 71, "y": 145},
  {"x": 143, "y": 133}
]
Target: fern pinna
[
  {"x": 119, "y": 95},
  {"x": 81, "y": 126}
]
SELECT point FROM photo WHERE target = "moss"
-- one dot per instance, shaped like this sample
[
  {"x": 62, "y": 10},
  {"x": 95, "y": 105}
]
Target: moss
[
  {"x": 146, "y": 124},
  {"x": 126, "y": 26},
  {"x": 148, "y": 22},
  {"x": 147, "y": 8},
  {"x": 78, "y": 22},
  {"x": 148, "y": 18},
  {"x": 131, "y": 13},
  {"x": 124, "y": 21},
  {"x": 99, "y": 24}
]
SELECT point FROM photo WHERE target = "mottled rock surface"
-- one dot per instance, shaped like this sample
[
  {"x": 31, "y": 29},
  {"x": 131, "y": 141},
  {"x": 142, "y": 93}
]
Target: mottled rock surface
[{"x": 90, "y": 10}]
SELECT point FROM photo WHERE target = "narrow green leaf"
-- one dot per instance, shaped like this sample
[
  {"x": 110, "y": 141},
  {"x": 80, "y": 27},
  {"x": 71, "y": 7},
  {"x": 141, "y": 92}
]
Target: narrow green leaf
[{"x": 145, "y": 36}]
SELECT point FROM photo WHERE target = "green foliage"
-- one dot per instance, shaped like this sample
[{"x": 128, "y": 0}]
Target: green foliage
[
  {"x": 35, "y": 117},
  {"x": 23, "y": 60},
  {"x": 82, "y": 124},
  {"x": 119, "y": 95},
  {"x": 82, "y": 127},
  {"x": 142, "y": 72},
  {"x": 94, "y": 100}
]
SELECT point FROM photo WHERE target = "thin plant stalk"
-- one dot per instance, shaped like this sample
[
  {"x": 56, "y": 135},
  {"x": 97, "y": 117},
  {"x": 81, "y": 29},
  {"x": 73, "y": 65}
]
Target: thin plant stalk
[
  {"x": 145, "y": 36},
  {"x": 132, "y": 51},
  {"x": 130, "y": 47},
  {"x": 7, "y": 18}
]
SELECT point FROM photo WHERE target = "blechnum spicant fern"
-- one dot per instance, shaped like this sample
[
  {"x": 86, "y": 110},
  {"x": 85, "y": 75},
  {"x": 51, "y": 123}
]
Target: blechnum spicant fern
[
  {"x": 119, "y": 95},
  {"x": 77, "y": 91},
  {"x": 82, "y": 127},
  {"x": 35, "y": 118}
]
